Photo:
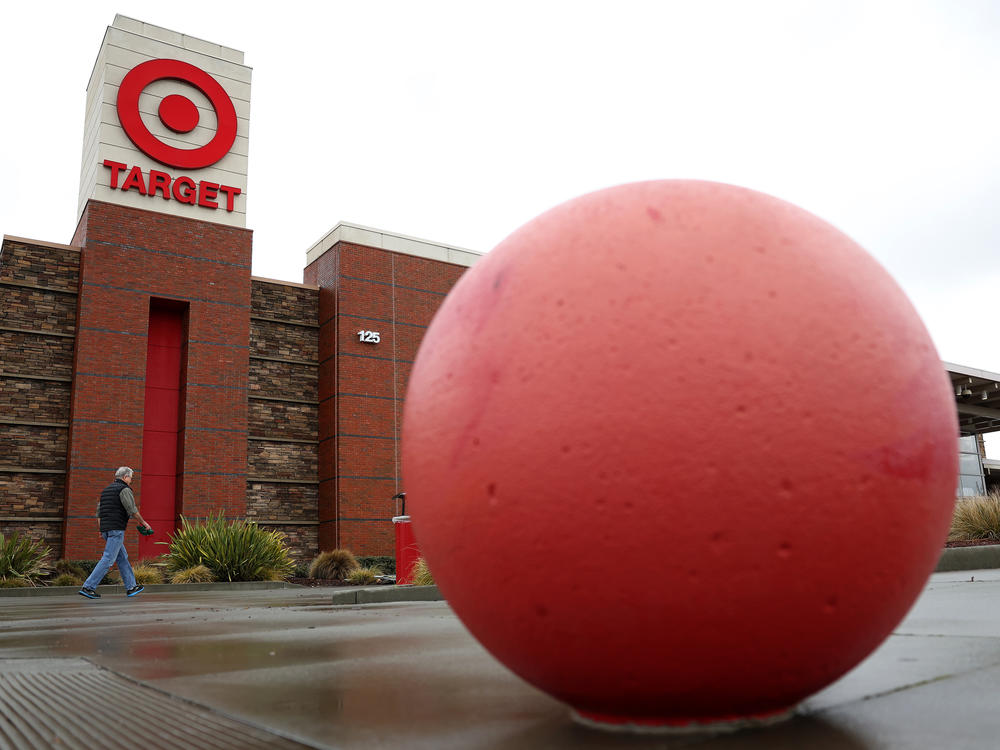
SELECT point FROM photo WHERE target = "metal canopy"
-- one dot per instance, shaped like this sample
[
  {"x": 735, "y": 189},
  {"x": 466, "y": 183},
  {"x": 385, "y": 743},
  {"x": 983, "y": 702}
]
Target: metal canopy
[{"x": 977, "y": 397}]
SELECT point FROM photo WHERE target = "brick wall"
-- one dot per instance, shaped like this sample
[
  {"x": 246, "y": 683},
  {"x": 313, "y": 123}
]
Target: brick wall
[
  {"x": 362, "y": 385},
  {"x": 128, "y": 257},
  {"x": 38, "y": 301},
  {"x": 288, "y": 419},
  {"x": 282, "y": 456}
]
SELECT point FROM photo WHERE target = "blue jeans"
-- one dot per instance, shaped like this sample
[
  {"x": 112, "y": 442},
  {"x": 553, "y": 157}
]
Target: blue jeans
[{"x": 114, "y": 552}]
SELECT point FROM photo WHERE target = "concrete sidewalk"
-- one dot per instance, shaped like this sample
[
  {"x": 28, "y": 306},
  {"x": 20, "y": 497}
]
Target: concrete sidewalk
[{"x": 287, "y": 668}]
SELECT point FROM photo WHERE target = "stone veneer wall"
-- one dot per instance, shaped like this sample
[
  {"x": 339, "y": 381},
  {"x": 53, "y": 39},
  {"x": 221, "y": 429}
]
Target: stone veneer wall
[
  {"x": 38, "y": 289},
  {"x": 282, "y": 441}
]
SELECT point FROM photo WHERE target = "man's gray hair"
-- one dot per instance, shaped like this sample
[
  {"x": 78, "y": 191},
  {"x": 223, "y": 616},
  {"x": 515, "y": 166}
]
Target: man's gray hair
[{"x": 123, "y": 471}]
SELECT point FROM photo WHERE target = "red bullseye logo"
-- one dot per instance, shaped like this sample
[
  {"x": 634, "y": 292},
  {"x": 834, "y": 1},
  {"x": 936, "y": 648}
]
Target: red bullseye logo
[{"x": 176, "y": 112}]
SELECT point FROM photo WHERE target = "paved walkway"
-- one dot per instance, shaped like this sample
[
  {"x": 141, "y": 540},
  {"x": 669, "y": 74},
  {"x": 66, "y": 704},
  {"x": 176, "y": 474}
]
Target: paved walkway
[{"x": 286, "y": 668}]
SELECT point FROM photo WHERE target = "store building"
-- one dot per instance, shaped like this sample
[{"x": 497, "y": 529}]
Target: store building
[
  {"x": 145, "y": 341},
  {"x": 977, "y": 397}
]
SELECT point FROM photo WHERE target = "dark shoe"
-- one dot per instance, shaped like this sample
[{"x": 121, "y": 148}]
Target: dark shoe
[
  {"x": 89, "y": 593},
  {"x": 137, "y": 589}
]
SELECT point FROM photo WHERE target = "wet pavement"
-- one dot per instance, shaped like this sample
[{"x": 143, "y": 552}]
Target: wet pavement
[{"x": 408, "y": 675}]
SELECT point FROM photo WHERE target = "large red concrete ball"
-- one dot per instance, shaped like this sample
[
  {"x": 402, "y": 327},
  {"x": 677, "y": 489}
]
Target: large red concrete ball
[{"x": 679, "y": 452}]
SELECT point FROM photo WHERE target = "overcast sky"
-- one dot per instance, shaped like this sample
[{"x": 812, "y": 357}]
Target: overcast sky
[{"x": 458, "y": 122}]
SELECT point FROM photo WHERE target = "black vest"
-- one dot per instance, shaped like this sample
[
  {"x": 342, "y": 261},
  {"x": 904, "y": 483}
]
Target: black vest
[{"x": 113, "y": 515}]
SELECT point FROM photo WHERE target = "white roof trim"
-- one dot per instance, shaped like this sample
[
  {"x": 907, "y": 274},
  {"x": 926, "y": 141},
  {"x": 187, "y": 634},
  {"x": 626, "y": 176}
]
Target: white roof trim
[
  {"x": 971, "y": 371},
  {"x": 398, "y": 243}
]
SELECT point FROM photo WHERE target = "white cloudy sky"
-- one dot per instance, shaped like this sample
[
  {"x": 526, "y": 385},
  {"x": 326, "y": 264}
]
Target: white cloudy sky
[{"x": 457, "y": 122}]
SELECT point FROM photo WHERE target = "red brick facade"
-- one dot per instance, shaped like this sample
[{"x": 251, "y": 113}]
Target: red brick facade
[
  {"x": 362, "y": 385},
  {"x": 127, "y": 257},
  {"x": 286, "y": 417}
]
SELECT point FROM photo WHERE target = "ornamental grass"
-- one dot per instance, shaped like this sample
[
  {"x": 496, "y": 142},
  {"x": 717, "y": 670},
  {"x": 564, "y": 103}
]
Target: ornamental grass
[
  {"x": 22, "y": 559},
  {"x": 337, "y": 564},
  {"x": 422, "y": 574},
  {"x": 232, "y": 550},
  {"x": 196, "y": 574},
  {"x": 976, "y": 518},
  {"x": 67, "y": 579},
  {"x": 146, "y": 574},
  {"x": 70, "y": 568},
  {"x": 363, "y": 576}
]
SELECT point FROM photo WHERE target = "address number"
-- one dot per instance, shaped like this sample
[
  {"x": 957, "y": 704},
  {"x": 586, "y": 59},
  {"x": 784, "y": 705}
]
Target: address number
[{"x": 369, "y": 337}]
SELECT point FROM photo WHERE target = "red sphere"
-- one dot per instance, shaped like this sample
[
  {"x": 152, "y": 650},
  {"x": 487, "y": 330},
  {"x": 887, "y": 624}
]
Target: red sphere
[{"x": 679, "y": 452}]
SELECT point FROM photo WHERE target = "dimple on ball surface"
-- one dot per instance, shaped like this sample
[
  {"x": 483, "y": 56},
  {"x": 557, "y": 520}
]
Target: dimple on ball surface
[{"x": 679, "y": 451}]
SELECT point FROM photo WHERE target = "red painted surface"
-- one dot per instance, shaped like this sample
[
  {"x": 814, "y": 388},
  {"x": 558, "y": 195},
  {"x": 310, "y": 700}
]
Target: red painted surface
[
  {"x": 178, "y": 113},
  {"x": 407, "y": 551},
  {"x": 578, "y": 412},
  {"x": 161, "y": 424},
  {"x": 127, "y": 103},
  {"x": 182, "y": 189}
]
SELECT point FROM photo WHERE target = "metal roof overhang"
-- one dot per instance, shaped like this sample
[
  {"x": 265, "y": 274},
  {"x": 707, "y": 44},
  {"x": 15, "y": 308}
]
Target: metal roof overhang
[{"x": 977, "y": 398}]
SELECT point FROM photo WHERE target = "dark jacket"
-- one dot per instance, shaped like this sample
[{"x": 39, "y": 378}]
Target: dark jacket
[{"x": 113, "y": 515}]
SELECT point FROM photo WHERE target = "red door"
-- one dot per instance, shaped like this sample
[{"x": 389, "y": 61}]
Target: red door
[{"x": 161, "y": 424}]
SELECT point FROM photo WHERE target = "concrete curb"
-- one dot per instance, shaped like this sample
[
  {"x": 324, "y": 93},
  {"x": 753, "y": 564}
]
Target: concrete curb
[
  {"x": 119, "y": 590},
  {"x": 386, "y": 594},
  {"x": 969, "y": 558}
]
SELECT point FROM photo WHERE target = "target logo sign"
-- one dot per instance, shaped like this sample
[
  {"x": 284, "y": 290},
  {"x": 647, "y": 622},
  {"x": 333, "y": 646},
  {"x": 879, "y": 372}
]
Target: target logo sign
[
  {"x": 180, "y": 115},
  {"x": 176, "y": 112}
]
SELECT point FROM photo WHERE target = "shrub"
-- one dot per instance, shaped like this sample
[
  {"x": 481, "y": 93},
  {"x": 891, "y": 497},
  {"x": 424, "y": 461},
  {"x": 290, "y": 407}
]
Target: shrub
[
  {"x": 976, "y": 518},
  {"x": 70, "y": 568},
  {"x": 385, "y": 563},
  {"x": 22, "y": 557},
  {"x": 300, "y": 570},
  {"x": 363, "y": 576},
  {"x": 85, "y": 566},
  {"x": 422, "y": 574},
  {"x": 146, "y": 574},
  {"x": 15, "y": 582},
  {"x": 67, "y": 579},
  {"x": 195, "y": 574},
  {"x": 232, "y": 550},
  {"x": 337, "y": 563}
]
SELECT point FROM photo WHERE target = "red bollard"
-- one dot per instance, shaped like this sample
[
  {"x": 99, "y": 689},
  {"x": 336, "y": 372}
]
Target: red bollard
[{"x": 407, "y": 550}]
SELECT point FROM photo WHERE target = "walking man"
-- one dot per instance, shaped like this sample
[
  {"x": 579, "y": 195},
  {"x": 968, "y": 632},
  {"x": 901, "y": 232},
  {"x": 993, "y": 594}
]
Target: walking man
[{"x": 116, "y": 506}]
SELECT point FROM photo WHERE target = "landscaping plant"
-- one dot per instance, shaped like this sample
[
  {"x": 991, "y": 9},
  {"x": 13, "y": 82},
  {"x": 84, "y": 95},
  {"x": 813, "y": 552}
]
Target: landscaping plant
[
  {"x": 363, "y": 576},
  {"x": 196, "y": 574},
  {"x": 146, "y": 574},
  {"x": 976, "y": 518},
  {"x": 231, "y": 550},
  {"x": 21, "y": 558},
  {"x": 74, "y": 569},
  {"x": 422, "y": 574},
  {"x": 337, "y": 563},
  {"x": 67, "y": 579},
  {"x": 385, "y": 563}
]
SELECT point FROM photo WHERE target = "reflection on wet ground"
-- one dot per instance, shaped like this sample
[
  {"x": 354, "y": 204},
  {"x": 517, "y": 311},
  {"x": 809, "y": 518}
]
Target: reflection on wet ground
[{"x": 409, "y": 675}]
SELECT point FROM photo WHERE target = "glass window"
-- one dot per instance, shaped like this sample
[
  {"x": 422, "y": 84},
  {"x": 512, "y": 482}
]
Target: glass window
[
  {"x": 972, "y": 486},
  {"x": 969, "y": 464},
  {"x": 967, "y": 444}
]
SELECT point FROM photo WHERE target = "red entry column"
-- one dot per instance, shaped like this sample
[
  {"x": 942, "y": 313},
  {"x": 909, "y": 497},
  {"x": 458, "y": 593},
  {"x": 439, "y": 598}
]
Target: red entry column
[{"x": 161, "y": 423}]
